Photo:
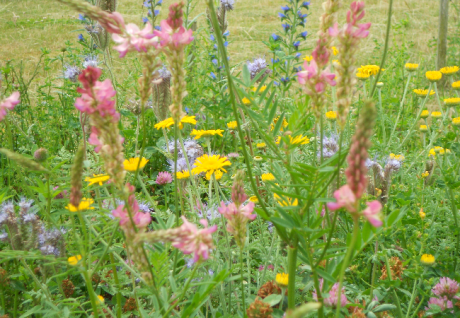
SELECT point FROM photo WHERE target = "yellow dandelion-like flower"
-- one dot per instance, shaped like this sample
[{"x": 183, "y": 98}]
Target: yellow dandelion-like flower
[
  {"x": 456, "y": 85},
  {"x": 206, "y": 133},
  {"x": 101, "y": 299},
  {"x": 97, "y": 178},
  {"x": 85, "y": 204},
  {"x": 267, "y": 177},
  {"x": 436, "y": 114},
  {"x": 454, "y": 101},
  {"x": 73, "y": 260},
  {"x": 369, "y": 69},
  {"x": 285, "y": 201},
  {"x": 282, "y": 280},
  {"x": 218, "y": 175},
  {"x": 210, "y": 164},
  {"x": 427, "y": 259},
  {"x": 423, "y": 92},
  {"x": 167, "y": 123},
  {"x": 334, "y": 50},
  {"x": 449, "y": 70},
  {"x": 261, "y": 89},
  {"x": 246, "y": 101},
  {"x": 425, "y": 174},
  {"x": 258, "y": 158},
  {"x": 433, "y": 76},
  {"x": 261, "y": 145},
  {"x": 308, "y": 58},
  {"x": 331, "y": 115},
  {"x": 424, "y": 114},
  {"x": 132, "y": 163},
  {"x": 232, "y": 125},
  {"x": 411, "y": 67},
  {"x": 456, "y": 121},
  {"x": 254, "y": 199},
  {"x": 423, "y": 128},
  {"x": 422, "y": 214},
  {"x": 362, "y": 76},
  {"x": 299, "y": 140},
  {"x": 183, "y": 174}
]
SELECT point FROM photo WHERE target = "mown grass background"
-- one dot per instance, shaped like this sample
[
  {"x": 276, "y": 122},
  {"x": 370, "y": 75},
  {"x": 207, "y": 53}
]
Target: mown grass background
[{"x": 28, "y": 25}]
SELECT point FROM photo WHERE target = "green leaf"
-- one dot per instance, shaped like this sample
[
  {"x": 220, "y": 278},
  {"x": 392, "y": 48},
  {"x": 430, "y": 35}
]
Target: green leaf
[
  {"x": 273, "y": 299},
  {"x": 282, "y": 222},
  {"x": 326, "y": 276},
  {"x": 384, "y": 307},
  {"x": 246, "y": 76}
]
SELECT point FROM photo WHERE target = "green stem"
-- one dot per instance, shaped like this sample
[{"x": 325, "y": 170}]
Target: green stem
[
  {"x": 382, "y": 119},
  {"x": 401, "y": 107},
  {"x": 91, "y": 293},
  {"x": 346, "y": 260},
  {"x": 117, "y": 284},
  {"x": 412, "y": 298},
  {"x": 242, "y": 284},
  {"x": 292, "y": 267},
  {"x": 454, "y": 213}
]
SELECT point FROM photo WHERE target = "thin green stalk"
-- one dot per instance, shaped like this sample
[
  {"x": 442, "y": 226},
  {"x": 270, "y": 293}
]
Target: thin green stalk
[
  {"x": 401, "y": 107},
  {"x": 91, "y": 292},
  {"x": 346, "y": 260},
  {"x": 292, "y": 267},
  {"x": 454, "y": 213},
  {"x": 374, "y": 268},
  {"x": 242, "y": 281},
  {"x": 382, "y": 121},
  {"x": 412, "y": 298},
  {"x": 117, "y": 284}
]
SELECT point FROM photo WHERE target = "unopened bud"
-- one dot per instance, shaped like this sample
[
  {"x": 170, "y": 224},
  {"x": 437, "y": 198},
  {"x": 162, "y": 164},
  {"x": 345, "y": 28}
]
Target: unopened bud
[{"x": 40, "y": 155}]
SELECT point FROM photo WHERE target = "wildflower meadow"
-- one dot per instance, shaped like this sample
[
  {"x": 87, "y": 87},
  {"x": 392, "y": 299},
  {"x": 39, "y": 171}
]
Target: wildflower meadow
[{"x": 148, "y": 170}]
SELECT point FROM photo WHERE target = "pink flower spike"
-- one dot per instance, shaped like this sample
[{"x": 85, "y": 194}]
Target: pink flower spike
[
  {"x": 120, "y": 213},
  {"x": 8, "y": 104},
  {"x": 115, "y": 23},
  {"x": 345, "y": 199},
  {"x": 372, "y": 213},
  {"x": 142, "y": 219}
]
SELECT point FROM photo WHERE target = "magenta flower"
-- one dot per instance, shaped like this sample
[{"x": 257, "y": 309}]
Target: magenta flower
[
  {"x": 163, "y": 177},
  {"x": 372, "y": 213},
  {"x": 442, "y": 302},
  {"x": 140, "y": 219},
  {"x": 345, "y": 199},
  {"x": 334, "y": 296},
  {"x": 446, "y": 288},
  {"x": 8, "y": 104},
  {"x": 310, "y": 74},
  {"x": 172, "y": 33},
  {"x": 135, "y": 39},
  {"x": 113, "y": 23},
  {"x": 191, "y": 240}
]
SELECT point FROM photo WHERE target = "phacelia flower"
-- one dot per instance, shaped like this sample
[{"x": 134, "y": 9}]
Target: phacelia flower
[
  {"x": 132, "y": 164},
  {"x": 71, "y": 72},
  {"x": 258, "y": 65},
  {"x": 433, "y": 76},
  {"x": 8, "y": 104},
  {"x": 163, "y": 177}
]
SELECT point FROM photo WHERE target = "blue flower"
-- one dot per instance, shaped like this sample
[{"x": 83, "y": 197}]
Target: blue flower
[
  {"x": 285, "y": 8},
  {"x": 286, "y": 26},
  {"x": 297, "y": 55},
  {"x": 297, "y": 69},
  {"x": 225, "y": 43},
  {"x": 214, "y": 61},
  {"x": 281, "y": 15},
  {"x": 302, "y": 16},
  {"x": 161, "y": 1},
  {"x": 158, "y": 27},
  {"x": 213, "y": 75},
  {"x": 226, "y": 33},
  {"x": 285, "y": 80},
  {"x": 305, "y": 4},
  {"x": 145, "y": 19},
  {"x": 147, "y": 4},
  {"x": 187, "y": 110},
  {"x": 275, "y": 61},
  {"x": 212, "y": 37},
  {"x": 275, "y": 37},
  {"x": 81, "y": 17},
  {"x": 215, "y": 46},
  {"x": 296, "y": 44},
  {"x": 80, "y": 37},
  {"x": 304, "y": 34},
  {"x": 276, "y": 83},
  {"x": 156, "y": 12}
]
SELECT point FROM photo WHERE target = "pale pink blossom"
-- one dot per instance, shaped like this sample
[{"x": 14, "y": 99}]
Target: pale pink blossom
[
  {"x": 311, "y": 74},
  {"x": 135, "y": 39},
  {"x": 94, "y": 140},
  {"x": 8, "y": 104},
  {"x": 446, "y": 287},
  {"x": 372, "y": 213},
  {"x": 334, "y": 296},
  {"x": 163, "y": 177},
  {"x": 175, "y": 38},
  {"x": 113, "y": 23},
  {"x": 140, "y": 219},
  {"x": 442, "y": 302},
  {"x": 345, "y": 199},
  {"x": 191, "y": 240}
]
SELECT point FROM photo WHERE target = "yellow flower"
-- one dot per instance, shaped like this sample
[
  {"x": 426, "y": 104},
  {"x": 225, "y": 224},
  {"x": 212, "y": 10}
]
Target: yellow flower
[
  {"x": 431, "y": 153},
  {"x": 423, "y": 128},
  {"x": 397, "y": 157},
  {"x": 331, "y": 115},
  {"x": 438, "y": 149},
  {"x": 183, "y": 174},
  {"x": 308, "y": 58},
  {"x": 170, "y": 122},
  {"x": 425, "y": 174},
  {"x": 210, "y": 164},
  {"x": 101, "y": 299},
  {"x": 132, "y": 163},
  {"x": 73, "y": 260},
  {"x": 454, "y": 101},
  {"x": 362, "y": 76},
  {"x": 277, "y": 140},
  {"x": 283, "y": 125},
  {"x": 456, "y": 121},
  {"x": 261, "y": 145},
  {"x": 261, "y": 90},
  {"x": 433, "y": 76},
  {"x": 232, "y": 125},
  {"x": 254, "y": 199},
  {"x": 369, "y": 69},
  {"x": 299, "y": 140},
  {"x": 282, "y": 279},
  {"x": 436, "y": 114},
  {"x": 285, "y": 201},
  {"x": 456, "y": 85},
  {"x": 98, "y": 178},
  {"x": 423, "y": 92},
  {"x": 335, "y": 63},
  {"x": 449, "y": 70},
  {"x": 246, "y": 101},
  {"x": 427, "y": 259},
  {"x": 218, "y": 175},
  {"x": 422, "y": 214},
  {"x": 334, "y": 50},
  {"x": 268, "y": 177},
  {"x": 424, "y": 114},
  {"x": 258, "y": 158},
  {"x": 206, "y": 133},
  {"x": 85, "y": 204},
  {"x": 379, "y": 84},
  {"x": 411, "y": 67}
]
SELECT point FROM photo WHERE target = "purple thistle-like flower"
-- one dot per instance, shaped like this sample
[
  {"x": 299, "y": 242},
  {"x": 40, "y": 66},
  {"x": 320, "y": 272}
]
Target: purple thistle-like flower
[
  {"x": 163, "y": 177},
  {"x": 446, "y": 287}
]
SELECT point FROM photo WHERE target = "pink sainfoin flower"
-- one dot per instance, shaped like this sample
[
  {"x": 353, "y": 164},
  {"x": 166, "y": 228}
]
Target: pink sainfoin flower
[
  {"x": 345, "y": 199},
  {"x": 191, "y": 240},
  {"x": 334, "y": 296},
  {"x": 446, "y": 288},
  {"x": 172, "y": 33},
  {"x": 443, "y": 302},
  {"x": 163, "y": 177},
  {"x": 8, "y": 104},
  {"x": 134, "y": 39},
  {"x": 372, "y": 213},
  {"x": 140, "y": 219},
  {"x": 313, "y": 77}
]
